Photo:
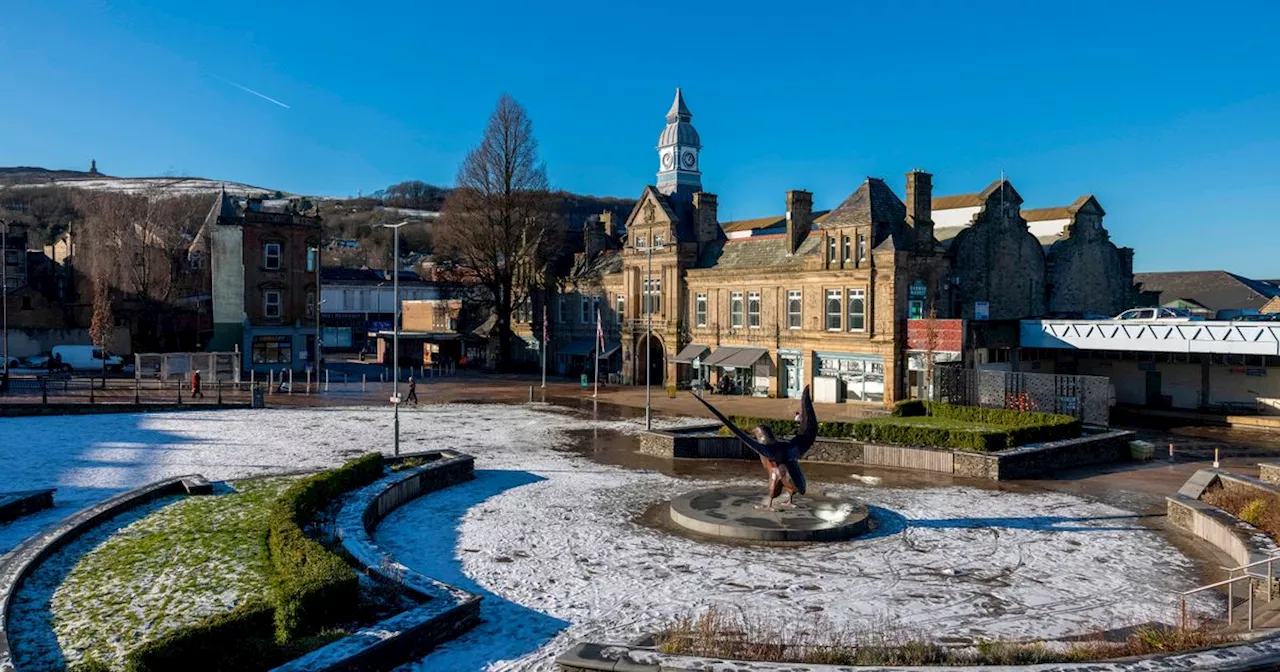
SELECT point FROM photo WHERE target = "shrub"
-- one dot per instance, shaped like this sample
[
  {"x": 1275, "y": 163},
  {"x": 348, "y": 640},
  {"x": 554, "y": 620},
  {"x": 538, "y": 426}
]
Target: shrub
[
  {"x": 237, "y": 640},
  {"x": 1252, "y": 512},
  {"x": 1007, "y": 428},
  {"x": 313, "y": 588}
]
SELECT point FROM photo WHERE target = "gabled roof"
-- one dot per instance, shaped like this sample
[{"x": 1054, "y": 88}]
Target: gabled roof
[
  {"x": 873, "y": 202},
  {"x": 1215, "y": 290},
  {"x": 973, "y": 200}
]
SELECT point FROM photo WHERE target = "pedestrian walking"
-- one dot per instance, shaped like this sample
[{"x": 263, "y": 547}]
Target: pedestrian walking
[
  {"x": 195, "y": 385},
  {"x": 413, "y": 391}
]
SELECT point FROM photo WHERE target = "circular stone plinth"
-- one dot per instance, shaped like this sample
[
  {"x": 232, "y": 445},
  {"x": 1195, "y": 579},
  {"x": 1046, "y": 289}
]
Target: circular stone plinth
[{"x": 731, "y": 512}]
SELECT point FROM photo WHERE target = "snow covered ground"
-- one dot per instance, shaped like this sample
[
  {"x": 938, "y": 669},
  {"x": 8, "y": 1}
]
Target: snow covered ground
[{"x": 551, "y": 539}]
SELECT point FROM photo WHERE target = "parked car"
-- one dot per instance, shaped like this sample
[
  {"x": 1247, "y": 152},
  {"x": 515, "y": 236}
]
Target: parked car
[
  {"x": 1160, "y": 313},
  {"x": 86, "y": 358},
  {"x": 1259, "y": 317}
]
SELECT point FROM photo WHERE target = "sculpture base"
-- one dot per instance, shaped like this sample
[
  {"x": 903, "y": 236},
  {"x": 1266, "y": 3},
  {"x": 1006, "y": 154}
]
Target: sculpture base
[{"x": 732, "y": 513}]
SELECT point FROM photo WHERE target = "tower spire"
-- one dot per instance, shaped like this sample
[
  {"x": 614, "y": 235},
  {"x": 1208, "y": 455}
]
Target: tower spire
[{"x": 678, "y": 148}]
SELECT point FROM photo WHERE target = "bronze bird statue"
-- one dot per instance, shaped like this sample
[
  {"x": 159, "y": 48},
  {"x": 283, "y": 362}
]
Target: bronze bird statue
[{"x": 781, "y": 459}]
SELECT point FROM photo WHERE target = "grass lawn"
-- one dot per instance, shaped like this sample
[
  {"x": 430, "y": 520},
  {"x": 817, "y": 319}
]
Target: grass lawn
[
  {"x": 188, "y": 560},
  {"x": 933, "y": 422}
]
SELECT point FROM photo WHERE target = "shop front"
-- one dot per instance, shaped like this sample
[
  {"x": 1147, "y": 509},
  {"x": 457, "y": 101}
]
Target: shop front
[
  {"x": 791, "y": 373},
  {"x": 848, "y": 376},
  {"x": 742, "y": 370}
]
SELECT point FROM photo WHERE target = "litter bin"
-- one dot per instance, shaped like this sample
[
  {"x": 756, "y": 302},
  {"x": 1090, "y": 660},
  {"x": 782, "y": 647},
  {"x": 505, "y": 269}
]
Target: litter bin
[{"x": 256, "y": 399}]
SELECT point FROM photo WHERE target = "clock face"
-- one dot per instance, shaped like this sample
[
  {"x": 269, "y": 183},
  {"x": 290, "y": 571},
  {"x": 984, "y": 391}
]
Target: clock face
[
  {"x": 667, "y": 159},
  {"x": 689, "y": 159}
]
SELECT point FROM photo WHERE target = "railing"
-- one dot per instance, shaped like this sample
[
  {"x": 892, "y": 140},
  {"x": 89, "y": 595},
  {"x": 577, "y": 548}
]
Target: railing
[
  {"x": 1249, "y": 338},
  {"x": 1230, "y": 584}
]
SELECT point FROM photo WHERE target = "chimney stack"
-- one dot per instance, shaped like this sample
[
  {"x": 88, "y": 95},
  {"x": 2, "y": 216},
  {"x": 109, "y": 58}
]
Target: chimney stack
[
  {"x": 606, "y": 218},
  {"x": 706, "y": 222},
  {"x": 799, "y": 217},
  {"x": 593, "y": 242},
  {"x": 920, "y": 208}
]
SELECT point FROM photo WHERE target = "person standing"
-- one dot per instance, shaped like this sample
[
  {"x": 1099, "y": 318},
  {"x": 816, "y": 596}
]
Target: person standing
[
  {"x": 413, "y": 391},
  {"x": 195, "y": 385}
]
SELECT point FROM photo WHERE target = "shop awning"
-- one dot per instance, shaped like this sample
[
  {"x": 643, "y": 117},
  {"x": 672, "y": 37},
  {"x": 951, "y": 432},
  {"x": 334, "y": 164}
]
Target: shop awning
[
  {"x": 578, "y": 348},
  {"x": 735, "y": 357},
  {"x": 691, "y": 352},
  {"x": 609, "y": 349}
]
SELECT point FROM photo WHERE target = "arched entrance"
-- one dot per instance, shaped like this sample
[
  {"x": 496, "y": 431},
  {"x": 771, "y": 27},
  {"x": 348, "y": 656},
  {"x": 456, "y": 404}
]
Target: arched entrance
[{"x": 656, "y": 359}]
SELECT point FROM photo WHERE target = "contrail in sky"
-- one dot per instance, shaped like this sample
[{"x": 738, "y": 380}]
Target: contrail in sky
[{"x": 249, "y": 90}]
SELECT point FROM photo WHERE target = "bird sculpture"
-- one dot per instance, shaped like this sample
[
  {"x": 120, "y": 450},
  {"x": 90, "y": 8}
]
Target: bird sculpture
[{"x": 781, "y": 459}]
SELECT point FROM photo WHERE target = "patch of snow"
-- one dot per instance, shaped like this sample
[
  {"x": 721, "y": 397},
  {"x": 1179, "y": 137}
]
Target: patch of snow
[{"x": 552, "y": 542}]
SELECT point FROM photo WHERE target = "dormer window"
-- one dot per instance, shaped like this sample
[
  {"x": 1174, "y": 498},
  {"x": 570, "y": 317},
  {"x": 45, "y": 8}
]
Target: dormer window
[
  {"x": 657, "y": 240},
  {"x": 640, "y": 243}
]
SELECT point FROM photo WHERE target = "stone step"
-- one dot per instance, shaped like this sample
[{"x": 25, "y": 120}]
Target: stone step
[{"x": 16, "y": 504}]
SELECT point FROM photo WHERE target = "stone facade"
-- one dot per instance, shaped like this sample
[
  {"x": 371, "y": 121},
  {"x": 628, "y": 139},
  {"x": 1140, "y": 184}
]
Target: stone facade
[
  {"x": 1013, "y": 286},
  {"x": 817, "y": 299},
  {"x": 1087, "y": 273}
]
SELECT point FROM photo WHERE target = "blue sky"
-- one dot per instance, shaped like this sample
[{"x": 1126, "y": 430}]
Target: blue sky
[{"x": 1167, "y": 113}]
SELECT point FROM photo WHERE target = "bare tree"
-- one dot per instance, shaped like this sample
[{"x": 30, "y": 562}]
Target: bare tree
[
  {"x": 103, "y": 320},
  {"x": 499, "y": 225}
]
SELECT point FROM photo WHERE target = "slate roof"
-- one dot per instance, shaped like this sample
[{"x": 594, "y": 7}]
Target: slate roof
[
  {"x": 1047, "y": 214},
  {"x": 758, "y": 252},
  {"x": 1215, "y": 290},
  {"x": 873, "y": 202}
]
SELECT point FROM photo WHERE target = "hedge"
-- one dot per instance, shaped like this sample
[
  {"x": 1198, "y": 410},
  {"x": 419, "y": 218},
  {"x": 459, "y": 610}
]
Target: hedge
[
  {"x": 1014, "y": 428},
  {"x": 313, "y": 588},
  {"x": 236, "y": 640}
]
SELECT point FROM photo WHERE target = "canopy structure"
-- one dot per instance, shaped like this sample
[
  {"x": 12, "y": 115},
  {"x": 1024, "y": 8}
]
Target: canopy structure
[
  {"x": 691, "y": 352},
  {"x": 610, "y": 349},
  {"x": 731, "y": 357}
]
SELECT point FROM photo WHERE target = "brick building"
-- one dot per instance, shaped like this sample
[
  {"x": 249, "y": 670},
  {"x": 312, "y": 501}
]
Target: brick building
[{"x": 262, "y": 259}]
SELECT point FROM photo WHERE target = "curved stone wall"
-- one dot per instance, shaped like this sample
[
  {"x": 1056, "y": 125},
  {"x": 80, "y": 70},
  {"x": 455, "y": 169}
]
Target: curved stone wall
[
  {"x": 30, "y": 553},
  {"x": 446, "y": 612}
]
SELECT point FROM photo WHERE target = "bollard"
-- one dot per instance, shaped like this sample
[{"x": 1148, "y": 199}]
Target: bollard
[
  {"x": 1215, "y": 458},
  {"x": 271, "y": 381},
  {"x": 1171, "y": 453},
  {"x": 291, "y": 382},
  {"x": 44, "y": 390},
  {"x": 91, "y": 389},
  {"x": 326, "y": 380},
  {"x": 531, "y": 394},
  {"x": 308, "y": 381},
  {"x": 251, "y": 380},
  {"x": 179, "y": 386},
  {"x": 363, "y": 378},
  {"x": 136, "y": 399},
  {"x": 219, "y": 392}
]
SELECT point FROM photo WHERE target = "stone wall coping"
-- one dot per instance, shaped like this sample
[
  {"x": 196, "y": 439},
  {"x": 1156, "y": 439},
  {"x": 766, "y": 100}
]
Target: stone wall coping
[
  {"x": 1249, "y": 481},
  {"x": 1054, "y": 445},
  {"x": 446, "y": 609},
  {"x": 1258, "y": 546},
  {"x": 19, "y": 563},
  {"x": 1257, "y": 654}
]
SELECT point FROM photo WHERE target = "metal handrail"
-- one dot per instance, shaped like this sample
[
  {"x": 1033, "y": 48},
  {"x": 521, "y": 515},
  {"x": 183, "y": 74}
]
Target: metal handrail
[{"x": 1230, "y": 584}]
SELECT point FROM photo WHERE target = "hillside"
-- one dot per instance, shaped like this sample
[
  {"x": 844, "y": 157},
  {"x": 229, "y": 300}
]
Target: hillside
[{"x": 48, "y": 201}]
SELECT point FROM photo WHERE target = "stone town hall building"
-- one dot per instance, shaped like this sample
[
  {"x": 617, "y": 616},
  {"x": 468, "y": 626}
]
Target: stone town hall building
[{"x": 823, "y": 298}]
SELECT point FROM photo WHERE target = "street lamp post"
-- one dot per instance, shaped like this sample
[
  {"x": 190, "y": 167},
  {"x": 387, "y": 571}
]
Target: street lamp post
[
  {"x": 648, "y": 341},
  {"x": 4, "y": 291},
  {"x": 395, "y": 328}
]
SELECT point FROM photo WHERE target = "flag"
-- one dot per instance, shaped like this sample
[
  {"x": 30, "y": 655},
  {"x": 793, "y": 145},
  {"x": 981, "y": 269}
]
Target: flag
[{"x": 599, "y": 333}]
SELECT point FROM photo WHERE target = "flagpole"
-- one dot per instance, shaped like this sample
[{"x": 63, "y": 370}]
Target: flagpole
[{"x": 544, "y": 347}]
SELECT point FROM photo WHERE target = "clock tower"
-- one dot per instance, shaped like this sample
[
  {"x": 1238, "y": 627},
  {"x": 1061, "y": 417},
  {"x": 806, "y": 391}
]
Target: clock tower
[{"x": 678, "y": 148}]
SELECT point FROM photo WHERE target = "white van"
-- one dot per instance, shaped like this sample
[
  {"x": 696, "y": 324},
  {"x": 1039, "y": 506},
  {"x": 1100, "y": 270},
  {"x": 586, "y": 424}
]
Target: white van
[{"x": 85, "y": 358}]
